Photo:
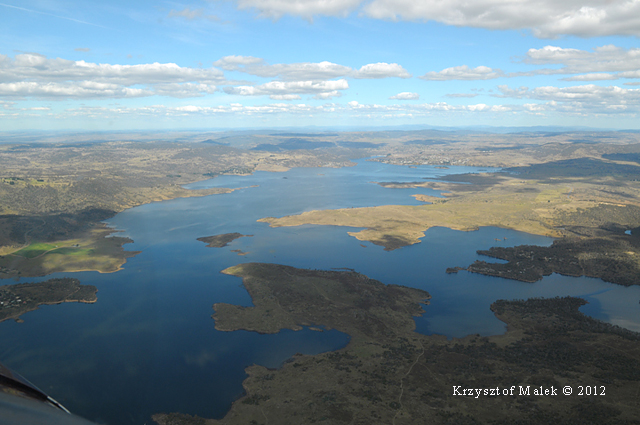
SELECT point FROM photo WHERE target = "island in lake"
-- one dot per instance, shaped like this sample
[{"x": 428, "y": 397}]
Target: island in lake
[
  {"x": 219, "y": 241},
  {"x": 388, "y": 373},
  {"x": 15, "y": 300}
]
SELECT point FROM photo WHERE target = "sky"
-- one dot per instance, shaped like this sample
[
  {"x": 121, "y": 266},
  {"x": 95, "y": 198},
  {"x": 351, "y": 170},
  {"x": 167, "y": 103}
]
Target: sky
[{"x": 218, "y": 64}]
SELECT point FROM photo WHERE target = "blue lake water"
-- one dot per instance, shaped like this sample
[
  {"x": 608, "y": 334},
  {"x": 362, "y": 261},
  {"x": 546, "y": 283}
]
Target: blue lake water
[{"x": 149, "y": 344}]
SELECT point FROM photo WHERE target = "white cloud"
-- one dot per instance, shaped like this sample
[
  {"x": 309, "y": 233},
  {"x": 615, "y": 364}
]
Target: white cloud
[
  {"x": 589, "y": 92},
  {"x": 308, "y": 70},
  {"x": 321, "y": 88},
  {"x": 285, "y": 97},
  {"x": 583, "y": 99},
  {"x": 592, "y": 77},
  {"x": 607, "y": 58},
  {"x": 288, "y": 72},
  {"x": 304, "y": 8},
  {"x": 32, "y": 74},
  {"x": 463, "y": 73},
  {"x": 85, "y": 89},
  {"x": 381, "y": 70},
  {"x": 302, "y": 78},
  {"x": 36, "y": 67},
  {"x": 301, "y": 71},
  {"x": 184, "y": 90},
  {"x": 35, "y": 75},
  {"x": 546, "y": 18},
  {"x": 405, "y": 96},
  {"x": 509, "y": 92},
  {"x": 602, "y": 63},
  {"x": 328, "y": 95}
]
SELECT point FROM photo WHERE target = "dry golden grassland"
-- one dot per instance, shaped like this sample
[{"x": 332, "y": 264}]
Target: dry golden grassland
[{"x": 527, "y": 206}]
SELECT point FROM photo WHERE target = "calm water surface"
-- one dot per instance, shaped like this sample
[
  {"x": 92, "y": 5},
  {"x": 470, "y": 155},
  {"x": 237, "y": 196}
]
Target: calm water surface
[{"x": 149, "y": 344}]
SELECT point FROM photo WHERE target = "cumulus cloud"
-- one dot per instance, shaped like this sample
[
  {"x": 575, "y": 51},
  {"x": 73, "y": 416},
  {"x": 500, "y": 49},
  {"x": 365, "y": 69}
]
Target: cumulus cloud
[
  {"x": 184, "y": 90},
  {"x": 589, "y": 98},
  {"x": 32, "y": 74},
  {"x": 589, "y": 92},
  {"x": 288, "y": 72},
  {"x": 507, "y": 91},
  {"x": 308, "y": 70},
  {"x": 405, "y": 96},
  {"x": 607, "y": 58},
  {"x": 35, "y": 75},
  {"x": 85, "y": 89},
  {"x": 592, "y": 77},
  {"x": 285, "y": 97},
  {"x": 546, "y": 18},
  {"x": 463, "y": 73},
  {"x": 381, "y": 70},
  {"x": 328, "y": 95},
  {"x": 300, "y": 71},
  {"x": 602, "y": 63},
  {"x": 325, "y": 89},
  {"x": 36, "y": 67}
]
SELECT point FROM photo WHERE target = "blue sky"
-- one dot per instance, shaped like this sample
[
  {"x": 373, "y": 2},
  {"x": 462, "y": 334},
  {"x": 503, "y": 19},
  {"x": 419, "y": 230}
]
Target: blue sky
[{"x": 117, "y": 65}]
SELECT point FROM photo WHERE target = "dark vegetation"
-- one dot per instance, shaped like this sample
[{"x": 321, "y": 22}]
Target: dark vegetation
[
  {"x": 15, "y": 229},
  {"x": 20, "y": 298},
  {"x": 390, "y": 374},
  {"x": 294, "y": 143},
  {"x": 219, "y": 241},
  {"x": 579, "y": 167},
  {"x": 599, "y": 248}
]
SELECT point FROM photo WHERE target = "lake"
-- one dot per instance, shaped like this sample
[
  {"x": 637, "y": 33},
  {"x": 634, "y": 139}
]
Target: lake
[{"x": 149, "y": 345}]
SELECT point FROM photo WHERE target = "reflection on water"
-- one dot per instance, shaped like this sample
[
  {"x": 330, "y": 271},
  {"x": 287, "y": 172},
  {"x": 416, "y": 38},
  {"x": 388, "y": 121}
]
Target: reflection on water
[{"x": 149, "y": 344}]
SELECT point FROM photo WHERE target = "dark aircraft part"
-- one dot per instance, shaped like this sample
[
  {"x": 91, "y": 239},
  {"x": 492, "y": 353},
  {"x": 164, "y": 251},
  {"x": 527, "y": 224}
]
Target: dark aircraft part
[{"x": 21, "y": 403}]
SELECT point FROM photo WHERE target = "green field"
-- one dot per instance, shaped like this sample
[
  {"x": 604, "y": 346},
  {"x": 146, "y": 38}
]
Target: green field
[
  {"x": 77, "y": 252},
  {"x": 35, "y": 249}
]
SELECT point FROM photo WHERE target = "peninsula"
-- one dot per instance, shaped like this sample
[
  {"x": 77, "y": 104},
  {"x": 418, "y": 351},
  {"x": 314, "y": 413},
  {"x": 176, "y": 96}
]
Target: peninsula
[
  {"x": 588, "y": 203},
  {"x": 15, "y": 300},
  {"x": 388, "y": 373}
]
